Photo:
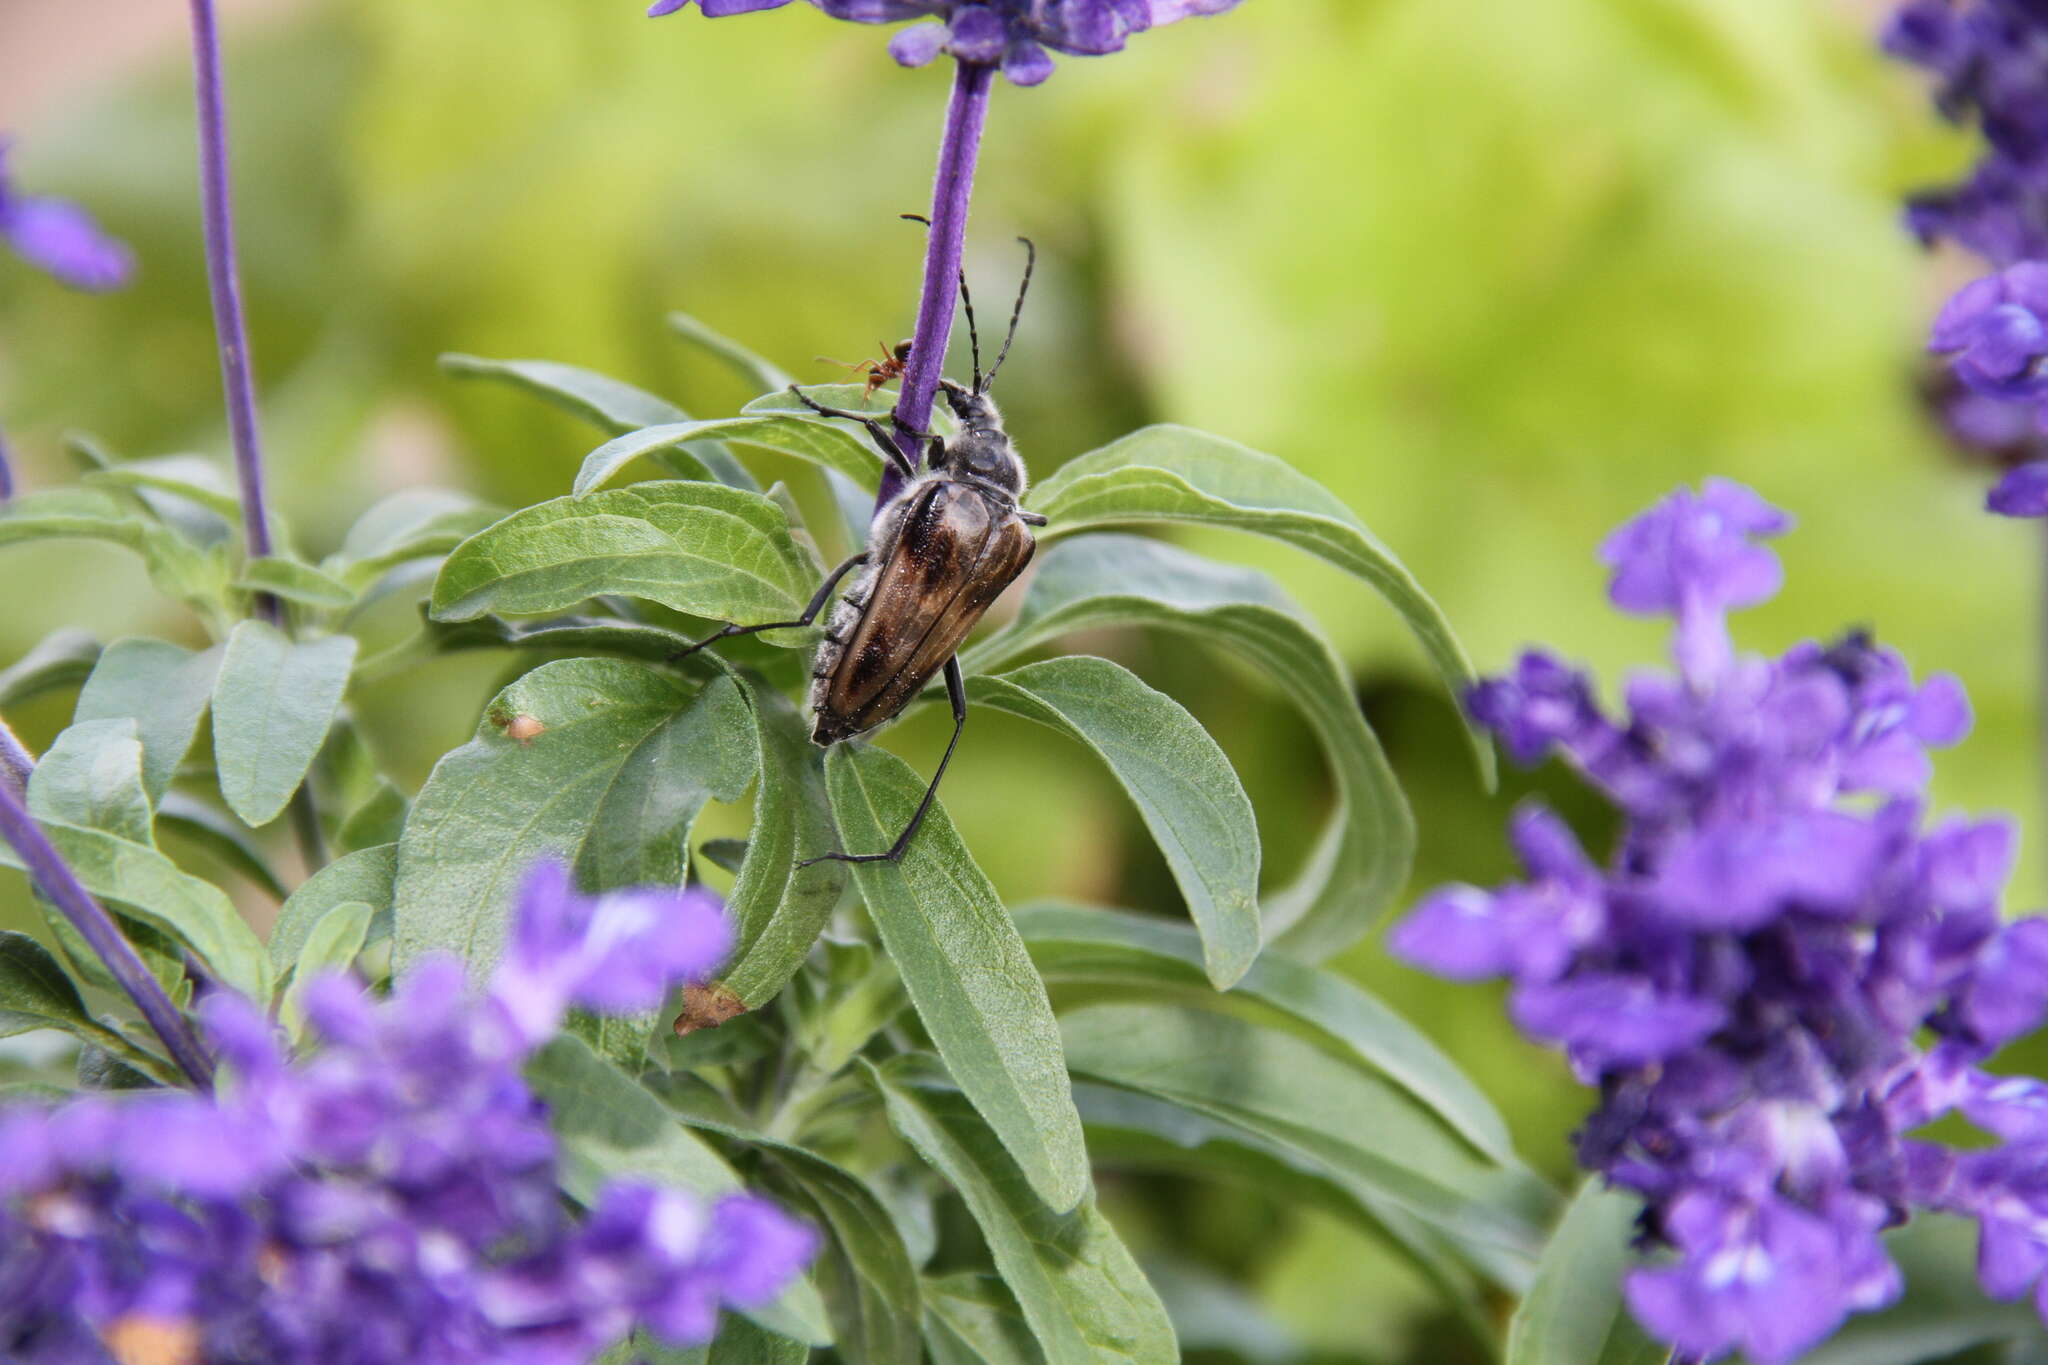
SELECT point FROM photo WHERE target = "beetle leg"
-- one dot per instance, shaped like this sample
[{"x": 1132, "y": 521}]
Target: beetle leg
[
  {"x": 816, "y": 605},
  {"x": 1031, "y": 518},
  {"x": 876, "y": 431},
  {"x": 956, "y": 693}
]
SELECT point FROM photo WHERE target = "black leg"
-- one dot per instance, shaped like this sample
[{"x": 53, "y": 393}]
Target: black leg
[
  {"x": 876, "y": 431},
  {"x": 816, "y": 605},
  {"x": 956, "y": 693},
  {"x": 1031, "y": 518}
]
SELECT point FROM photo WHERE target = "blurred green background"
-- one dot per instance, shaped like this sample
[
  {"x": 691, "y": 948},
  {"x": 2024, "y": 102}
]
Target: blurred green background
[{"x": 1499, "y": 274}]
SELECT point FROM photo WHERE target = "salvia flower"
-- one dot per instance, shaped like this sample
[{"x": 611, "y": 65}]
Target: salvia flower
[
  {"x": 1781, "y": 971},
  {"x": 61, "y": 239},
  {"x": 389, "y": 1196},
  {"x": 1014, "y": 34}
]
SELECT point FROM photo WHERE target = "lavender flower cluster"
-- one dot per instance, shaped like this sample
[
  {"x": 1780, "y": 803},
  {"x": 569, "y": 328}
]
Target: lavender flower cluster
[
  {"x": 1013, "y": 34},
  {"x": 388, "y": 1198},
  {"x": 1989, "y": 59},
  {"x": 1781, "y": 972}
]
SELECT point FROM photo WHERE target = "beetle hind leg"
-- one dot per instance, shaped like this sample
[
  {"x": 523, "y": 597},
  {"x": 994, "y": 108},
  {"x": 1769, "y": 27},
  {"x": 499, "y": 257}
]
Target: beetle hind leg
[
  {"x": 811, "y": 610},
  {"x": 956, "y": 693}
]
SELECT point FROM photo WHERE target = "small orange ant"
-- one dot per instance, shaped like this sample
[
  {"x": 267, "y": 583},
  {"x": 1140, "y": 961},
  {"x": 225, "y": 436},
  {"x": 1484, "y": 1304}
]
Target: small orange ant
[{"x": 879, "y": 372}]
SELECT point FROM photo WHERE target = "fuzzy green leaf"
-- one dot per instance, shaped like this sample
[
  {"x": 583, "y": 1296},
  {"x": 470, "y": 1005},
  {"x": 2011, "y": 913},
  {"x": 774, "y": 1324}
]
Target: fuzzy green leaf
[
  {"x": 974, "y": 1320},
  {"x": 367, "y": 876},
  {"x": 1573, "y": 1314},
  {"x": 1182, "y": 784},
  {"x": 413, "y": 523},
  {"x": 294, "y": 582},
  {"x": 702, "y": 548},
  {"x": 220, "y": 834},
  {"x": 821, "y": 443},
  {"x": 1285, "y": 1089},
  {"x": 778, "y": 907},
  {"x": 1172, "y": 473},
  {"x": 762, "y": 373},
  {"x": 332, "y": 945},
  {"x": 610, "y": 733},
  {"x": 1081, "y": 945},
  {"x": 1362, "y": 859},
  {"x": 273, "y": 703},
  {"x": 596, "y": 398},
  {"x": 92, "y": 777},
  {"x": 34, "y": 990},
  {"x": 149, "y": 886},
  {"x": 968, "y": 973},
  {"x": 1079, "y": 1288},
  {"x": 163, "y": 689},
  {"x": 61, "y": 659}
]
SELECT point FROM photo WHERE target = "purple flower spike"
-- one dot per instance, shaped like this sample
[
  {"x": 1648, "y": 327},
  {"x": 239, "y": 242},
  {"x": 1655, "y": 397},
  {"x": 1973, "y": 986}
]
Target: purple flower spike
[
  {"x": 616, "y": 953},
  {"x": 1778, "y": 974},
  {"x": 2021, "y": 493},
  {"x": 1014, "y": 34},
  {"x": 1995, "y": 330},
  {"x": 61, "y": 239}
]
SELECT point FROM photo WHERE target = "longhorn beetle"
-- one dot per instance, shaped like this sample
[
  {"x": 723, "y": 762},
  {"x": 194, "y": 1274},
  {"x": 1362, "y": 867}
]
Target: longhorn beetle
[{"x": 938, "y": 554}]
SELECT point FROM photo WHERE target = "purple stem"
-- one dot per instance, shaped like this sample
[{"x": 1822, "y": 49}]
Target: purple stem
[
  {"x": 6, "y": 472},
  {"x": 224, "y": 279},
  {"x": 952, "y": 190},
  {"x": 17, "y": 764},
  {"x": 47, "y": 868}
]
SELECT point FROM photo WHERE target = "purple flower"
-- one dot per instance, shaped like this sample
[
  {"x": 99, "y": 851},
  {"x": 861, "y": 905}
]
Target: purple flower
[
  {"x": 615, "y": 953},
  {"x": 2021, "y": 493},
  {"x": 1995, "y": 331},
  {"x": 61, "y": 239},
  {"x": 1751, "y": 978},
  {"x": 1011, "y": 33},
  {"x": 392, "y": 1195}
]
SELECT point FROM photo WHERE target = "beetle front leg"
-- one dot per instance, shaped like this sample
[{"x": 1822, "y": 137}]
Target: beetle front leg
[{"x": 816, "y": 605}]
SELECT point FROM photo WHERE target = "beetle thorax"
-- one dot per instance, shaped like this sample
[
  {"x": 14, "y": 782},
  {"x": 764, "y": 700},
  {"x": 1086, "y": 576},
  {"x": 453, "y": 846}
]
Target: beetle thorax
[{"x": 981, "y": 450}]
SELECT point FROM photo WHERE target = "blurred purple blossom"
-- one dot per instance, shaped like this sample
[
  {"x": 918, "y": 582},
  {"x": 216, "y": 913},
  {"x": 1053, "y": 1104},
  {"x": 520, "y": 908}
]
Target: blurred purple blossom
[
  {"x": 61, "y": 239},
  {"x": 390, "y": 1196},
  {"x": 1011, "y": 33},
  {"x": 1751, "y": 978}
]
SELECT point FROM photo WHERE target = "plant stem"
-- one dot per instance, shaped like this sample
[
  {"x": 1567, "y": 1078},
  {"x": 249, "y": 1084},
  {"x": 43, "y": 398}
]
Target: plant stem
[
  {"x": 6, "y": 472},
  {"x": 952, "y": 189},
  {"x": 17, "y": 764},
  {"x": 224, "y": 280},
  {"x": 49, "y": 871}
]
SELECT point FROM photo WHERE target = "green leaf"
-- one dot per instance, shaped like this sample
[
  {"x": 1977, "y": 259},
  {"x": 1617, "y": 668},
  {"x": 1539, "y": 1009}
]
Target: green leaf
[
  {"x": 194, "y": 574},
  {"x": 151, "y": 887},
  {"x": 1279, "y": 1087},
  {"x": 1171, "y": 473},
  {"x": 35, "y": 992},
  {"x": 974, "y": 1320},
  {"x": 1573, "y": 1314},
  {"x": 367, "y": 876},
  {"x": 1077, "y": 1285},
  {"x": 219, "y": 833},
  {"x": 494, "y": 806},
  {"x": 611, "y": 1128},
  {"x": 92, "y": 777},
  {"x": 1362, "y": 860},
  {"x": 294, "y": 582},
  {"x": 598, "y": 399},
  {"x": 1082, "y": 945},
  {"x": 822, "y": 443},
  {"x": 578, "y": 634},
  {"x": 61, "y": 659},
  {"x": 163, "y": 689},
  {"x": 968, "y": 973},
  {"x": 273, "y": 703},
  {"x": 640, "y": 831},
  {"x": 1182, "y": 784},
  {"x": 331, "y": 947},
  {"x": 413, "y": 523},
  {"x": 195, "y": 478},
  {"x": 778, "y": 907},
  {"x": 380, "y": 819},
  {"x": 870, "y": 1286},
  {"x": 763, "y": 374},
  {"x": 700, "y": 548}
]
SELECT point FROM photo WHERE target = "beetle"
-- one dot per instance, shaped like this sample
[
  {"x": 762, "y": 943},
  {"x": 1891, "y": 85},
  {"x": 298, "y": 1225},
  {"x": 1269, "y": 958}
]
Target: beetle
[
  {"x": 938, "y": 554},
  {"x": 879, "y": 372}
]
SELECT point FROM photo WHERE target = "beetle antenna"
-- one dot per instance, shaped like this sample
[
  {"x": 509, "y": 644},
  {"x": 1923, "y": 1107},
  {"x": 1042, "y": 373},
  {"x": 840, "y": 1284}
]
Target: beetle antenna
[
  {"x": 966, "y": 302},
  {"x": 1030, "y": 263}
]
